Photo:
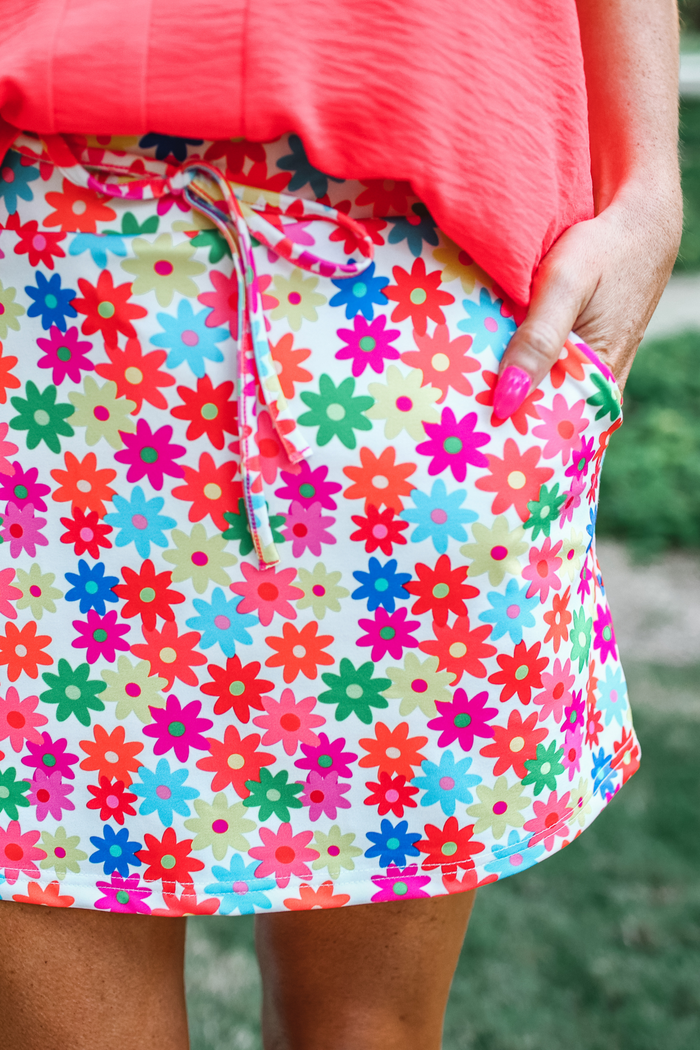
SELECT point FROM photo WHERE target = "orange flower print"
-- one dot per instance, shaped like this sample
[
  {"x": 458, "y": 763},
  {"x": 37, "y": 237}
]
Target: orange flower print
[
  {"x": 516, "y": 479},
  {"x": 8, "y": 381},
  {"x": 418, "y": 296},
  {"x": 288, "y": 361},
  {"x": 23, "y": 650},
  {"x": 380, "y": 481},
  {"x": 137, "y": 375},
  {"x": 111, "y": 754},
  {"x": 83, "y": 485},
  {"x": 460, "y": 649},
  {"x": 443, "y": 362},
  {"x": 49, "y": 896},
  {"x": 171, "y": 655},
  {"x": 323, "y": 897},
  {"x": 571, "y": 364},
  {"x": 299, "y": 651},
  {"x": 393, "y": 750},
  {"x": 519, "y": 419},
  {"x": 558, "y": 618},
  {"x": 77, "y": 209},
  {"x": 211, "y": 490}
]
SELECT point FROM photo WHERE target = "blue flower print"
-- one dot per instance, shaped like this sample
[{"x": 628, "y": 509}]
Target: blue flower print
[
  {"x": 448, "y": 783},
  {"x": 486, "y": 324},
  {"x": 14, "y": 179},
  {"x": 603, "y": 774},
  {"x": 91, "y": 587},
  {"x": 304, "y": 171},
  {"x": 98, "y": 244},
  {"x": 439, "y": 516},
  {"x": 414, "y": 229},
  {"x": 516, "y": 855},
  {"x": 382, "y": 585},
  {"x": 238, "y": 889},
  {"x": 188, "y": 338},
  {"x": 115, "y": 852},
  {"x": 220, "y": 622},
  {"x": 139, "y": 521},
  {"x": 164, "y": 792},
  {"x": 612, "y": 696},
  {"x": 359, "y": 294},
  {"x": 51, "y": 302},
  {"x": 510, "y": 612},
  {"x": 392, "y": 844},
  {"x": 167, "y": 145}
]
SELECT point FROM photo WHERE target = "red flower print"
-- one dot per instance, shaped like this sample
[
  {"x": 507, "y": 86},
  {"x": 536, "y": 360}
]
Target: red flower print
[
  {"x": 393, "y": 750},
  {"x": 77, "y": 209},
  {"x": 391, "y": 794},
  {"x": 8, "y": 381},
  {"x": 626, "y": 755},
  {"x": 543, "y": 568},
  {"x": 18, "y": 852},
  {"x": 147, "y": 594},
  {"x": 516, "y": 479},
  {"x": 83, "y": 484},
  {"x": 372, "y": 226},
  {"x": 299, "y": 652},
  {"x": 235, "y": 152},
  {"x": 112, "y": 800},
  {"x": 22, "y": 650},
  {"x": 441, "y": 590},
  {"x": 443, "y": 361},
  {"x": 223, "y": 302},
  {"x": 107, "y": 308},
  {"x": 19, "y": 719},
  {"x": 137, "y": 375},
  {"x": 49, "y": 896},
  {"x": 570, "y": 364},
  {"x": 111, "y": 754},
  {"x": 379, "y": 529},
  {"x": 519, "y": 419},
  {"x": 168, "y": 859},
  {"x": 283, "y": 854},
  {"x": 594, "y": 727},
  {"x": 209, "y": 409},
  {"x": 323, "y": 897},
  {"x": 186, "y": 904},
  {"x": 150, "y": 454},
  {"x": 449, "y": 847},
  {"x": 234, "y": 760},
  {"x": 86, "y": 532},
  {"x": 236, "y": 688},
  {"x": 288, "y": 359},
  {"x": 380, "y": 481},
  {"x": 211, "y": 490},
  {"x": 386, "y": 196},
  {"x": 551, "y": 819},
  {"x": 271, "y": 455},
  {"x": 469, "y": 881},
  {"x": 171, "y": 655},
  {"x": 65, "y": 354},
  {"x": 101, "y": 636},
  {"x": 453, "y": 444},
  {"x": 515, "y": 744},
  {"x": 418, "y": 296},
  {"x": 267, "y": 592},
  {"x": 178, "y": 727},
  {"x": 307, "y": 528},
  {"x": 460, "y": 649},
  {"x": 462, "y": 719},
  {"x": 558, "y": 618},
  {"x": 40, "y": 245},
  {"x": 520, "y": 673},
  {"x": 388, "y": 633}
]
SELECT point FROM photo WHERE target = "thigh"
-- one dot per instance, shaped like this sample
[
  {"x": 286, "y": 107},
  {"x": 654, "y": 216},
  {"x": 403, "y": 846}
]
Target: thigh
[
  {"x": 78, "y": 979},
  {"x": 365, "y": 977}
]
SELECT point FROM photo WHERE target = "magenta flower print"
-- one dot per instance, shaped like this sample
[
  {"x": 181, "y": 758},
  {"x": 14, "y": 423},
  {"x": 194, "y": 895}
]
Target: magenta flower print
[
  {"x": 543, "y": 568},
  {"x": 8, "y": 593},
  {"x": 102, "y": 636},
  {"x": 571, "y": 759},
  {"x": 580, "y": 459},
  {"x": 309, "y": 486},
  {"x": 400, "y": 885},
  {"x": 368, "y": 344},
  {"x": 19, "y": 719},
  {"x": 283, "y": 854},
  {"x": 51, "y": 755},
  {"x": 150, "y": 454},
  {"x": 22, "y": 488},
  {"x": 267, "y": 592},
  {"x": 65, "y": 354},
  {"x": 289, "y": 721},
  {"x": 388, "y": 633},
  {"x": 22, "y": 530},
  {"x": 178, "y": 727},
  {"x": 324, "y": 795},
  {"x": 574, "y": 712},
  {"x": 307, "y": 529},
  {"x": 18, "y": 852},
  {"x": 572, "y": 501},
  {"x": 50, "y": 795},
  {"x": 462, "y": 719},
  {"x": 7, "y": 448},
  {"x": 561, "y": 428},
  {"x": 556, "y": 693},
  {"x": 327, "y": 756},
  {"x": 604, "y": 635},
  {"x": 454, "y": 444},
  {"x": 123, "y": 895},
  {"x": 223, "y": 302}
]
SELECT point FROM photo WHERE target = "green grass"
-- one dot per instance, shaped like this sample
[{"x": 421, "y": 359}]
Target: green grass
[
  {"x": 597, "y": 948},
  {"x": 689, "y": 255}
]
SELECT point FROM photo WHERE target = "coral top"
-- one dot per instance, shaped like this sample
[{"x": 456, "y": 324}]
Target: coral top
[{"x": 482, "y": 107}]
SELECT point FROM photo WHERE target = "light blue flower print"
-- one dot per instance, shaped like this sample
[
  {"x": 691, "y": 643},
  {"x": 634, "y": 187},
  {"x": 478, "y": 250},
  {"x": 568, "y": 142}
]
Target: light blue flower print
[
  {"x": 164, "y": 791},
  {"x": 14, "y": 176},
  {"x": 447, "y": 783},
  {"x": 219, "y": 622},
  {"x": 612, "y": 696},
  {"x": 189, "y": 339},
  {"x": 139, "y": 521},
  {"x": 238, "y": 889},
  {"x": 439, "y": 516},
  {"x": 510, "y": 612},
  {"x": 98, "y": 244},
  {"x": 486, "y": 325},
  {"x": 515, "y": 855}
]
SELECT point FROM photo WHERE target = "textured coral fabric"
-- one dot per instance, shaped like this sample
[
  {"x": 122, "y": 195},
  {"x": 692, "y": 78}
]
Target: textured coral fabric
[{"x": 482, "y": 107}]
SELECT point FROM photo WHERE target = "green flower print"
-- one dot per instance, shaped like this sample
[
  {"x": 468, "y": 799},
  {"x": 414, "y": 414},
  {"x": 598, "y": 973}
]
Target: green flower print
[
  {"x": 273, "y": 795},
  {"x": 41, "y": 417},
  {"x": 544, "y": 511},
  {"x": 240, "y": 531},
  {"x": 321, "y": 590},
  {"x": 200, "y": 558},
  {"x": 215, "y": 241},
  {"x": 164, "y": 268},
  {"x": 73, "y": 691},
  {"x": 607, "y": 400},
  {"x": 132, "y": 690},
  {"x": 12, "y": 792},
  {"x": 62, "y": 853},
  {"x": 220, "y": 826},
  {"x": 337, "y": 851},
  {"x": 38, "y": 594},
  {"x": 102, "y": 413},
  {"x": 335, "y": 411},
  {"x": 544, "y": 770},
  {"x": 419, "y": 684},
  {"x": 581, "y": 637},
  {"x": 354, "y": 691},
  {"x": 9, "y": 311}
]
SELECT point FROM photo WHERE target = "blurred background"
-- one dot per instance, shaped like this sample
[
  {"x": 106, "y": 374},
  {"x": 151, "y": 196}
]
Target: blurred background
[{"x": 599, "y": 948}]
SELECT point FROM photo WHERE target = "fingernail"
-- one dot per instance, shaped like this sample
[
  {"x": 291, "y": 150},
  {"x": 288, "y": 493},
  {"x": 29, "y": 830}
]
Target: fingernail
[{"x": 511, "y": 390}]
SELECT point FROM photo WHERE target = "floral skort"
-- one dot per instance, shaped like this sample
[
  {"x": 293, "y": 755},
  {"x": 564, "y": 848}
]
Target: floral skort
[{"x": 289, "y": 619}]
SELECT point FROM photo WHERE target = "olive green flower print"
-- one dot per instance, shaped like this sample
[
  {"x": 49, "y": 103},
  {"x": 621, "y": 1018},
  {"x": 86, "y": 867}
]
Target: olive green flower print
[
  {"x": 132, "y": 689},
  {"x": 404, "y": 403},
  {"x": 42, "y": 417},
  {"x": 355, "y": 691},
  {"x": 12, "y": 792},
  {"x": 62, "y": 853},
  {"x": 73, "y": 692},
  {"x": 337, "y": 851},
  {"x": 496, "y": 550},
  {"x": 335, "y": 411},
  {"x": 220, "y": 826},
  {"x": 38, "y": 593},
  {"x": 201, "y": 558},
  {"x": 419, "y": 684},
  {"x": 297, "y": 299},
  {"x": 321, "y": 590},
  {"x": 499, "y": 807},
  {"x": 273, "y": 795},
  {"x": 164, "y": 268},
  {"x": 9, "y": 311},
  {"x": 102, "y": 413}
]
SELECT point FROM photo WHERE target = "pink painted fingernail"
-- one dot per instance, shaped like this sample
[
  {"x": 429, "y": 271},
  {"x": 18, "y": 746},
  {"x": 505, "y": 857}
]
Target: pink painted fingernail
[{"x": 511, "y": 390}]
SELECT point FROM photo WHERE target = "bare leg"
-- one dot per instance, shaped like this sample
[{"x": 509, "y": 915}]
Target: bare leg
[
  {"x": 83, "y": 980},
  {"x": 370, "y": 977}
]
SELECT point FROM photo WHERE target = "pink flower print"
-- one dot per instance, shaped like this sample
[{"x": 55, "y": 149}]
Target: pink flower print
[
  {"x": 49, "y": 795},
  {"x": 271, "y": 454},
  {"x": 388, "y": 633},
  {"x": 306, "y": 528},
  {"x": 123, "y": 895},
  {"x": 368, "y": 344},
  {"x": 551, "y": 819},
  {"x": 309, "y": 486},
  {"x": 178, "y": 727},
  {"x": 19, "y": 720},
  {"x": 572, "y": 501},
  {"x": 604, "y": 635},
  {"x": 223, "y": 302},
  {"x": 167, "y": 202},
  {"x": 580, "y": 459},
  {"x": 571, "y": 758},
  {"x": 150, "y": 454},
  {"x": 283, "y": 854},
  {"x": 21, "y": 487},
  {"x": 267, "y": 592},
  {"x": 269, "y": 302},
  {"x": 574, "y": 712},
  {"x": 101, "y": 636},
  {"x": 561, "y": 428},
  {"x": 22, "y": 530},
  {"x": 327, "y": 756},
  {"x": 585, "y": 577},
  {"x": 7, "y": 448},
  {"x": 51, "y": 755},
  {"x": 453, "y": 444},
  {"x": 398, "y": 885},
  {"x": 542, "y": 570},
  {"x": 8, "y": 593},
  {"x": 290, "y": 721},
  {"x": 463, "y": 719},
  {"x": 324, "y": 795},
  {"x": 18, "y": 852},
  {"x": 557, "y": 691},
  {"x": 65, "y": 354}
]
